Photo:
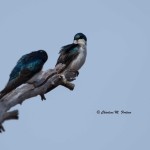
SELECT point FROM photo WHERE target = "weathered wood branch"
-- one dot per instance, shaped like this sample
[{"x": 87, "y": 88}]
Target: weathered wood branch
[{"x": 41, "y": 83}]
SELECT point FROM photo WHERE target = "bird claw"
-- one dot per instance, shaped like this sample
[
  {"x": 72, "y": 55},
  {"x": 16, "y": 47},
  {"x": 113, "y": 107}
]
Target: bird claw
[
  {"x": 71, "y": 75},
  {"x": 77, "y": 73}
]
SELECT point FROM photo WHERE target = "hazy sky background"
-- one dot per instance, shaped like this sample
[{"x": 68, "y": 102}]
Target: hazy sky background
[{"x": 116, "y": 75}]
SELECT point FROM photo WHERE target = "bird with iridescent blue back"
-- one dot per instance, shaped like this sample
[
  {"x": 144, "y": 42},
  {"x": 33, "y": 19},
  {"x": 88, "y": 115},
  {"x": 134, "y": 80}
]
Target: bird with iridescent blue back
[
  {"x": 27, "y": 66},
  {"x": 74, "y": 55}
]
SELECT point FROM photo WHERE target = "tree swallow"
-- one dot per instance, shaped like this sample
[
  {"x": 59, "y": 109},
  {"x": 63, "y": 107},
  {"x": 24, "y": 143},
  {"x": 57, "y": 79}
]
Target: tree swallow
[
  {"x": 27, "y": 66},
  {"x": 74, "y": 55}
]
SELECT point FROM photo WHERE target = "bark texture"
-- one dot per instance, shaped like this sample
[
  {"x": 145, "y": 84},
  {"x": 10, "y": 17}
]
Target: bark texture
[{"x": 41, "y": 83}]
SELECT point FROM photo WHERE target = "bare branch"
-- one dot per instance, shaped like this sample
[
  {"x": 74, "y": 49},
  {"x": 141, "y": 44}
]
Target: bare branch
[{"x": 41, "y": 83}]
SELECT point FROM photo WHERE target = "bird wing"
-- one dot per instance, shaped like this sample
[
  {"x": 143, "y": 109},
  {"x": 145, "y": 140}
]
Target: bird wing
[
  {"x": 68, "y": 53},
  {"x": 26, "y": 65}
]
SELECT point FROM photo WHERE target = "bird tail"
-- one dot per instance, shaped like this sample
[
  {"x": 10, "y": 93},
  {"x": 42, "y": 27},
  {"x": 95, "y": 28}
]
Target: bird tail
[
  {"x": 2, "y": 94},
  {"x": 7, "y": 89}
]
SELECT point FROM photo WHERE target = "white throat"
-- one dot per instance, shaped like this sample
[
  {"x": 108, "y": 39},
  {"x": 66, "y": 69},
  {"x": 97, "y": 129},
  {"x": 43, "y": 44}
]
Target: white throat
[{"x": 80, "y": 42}]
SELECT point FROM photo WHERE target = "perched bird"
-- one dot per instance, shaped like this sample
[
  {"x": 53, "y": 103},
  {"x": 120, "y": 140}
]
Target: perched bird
[
  {"x": 27, "y": 66},
  {"x": 74, "y": 55}
]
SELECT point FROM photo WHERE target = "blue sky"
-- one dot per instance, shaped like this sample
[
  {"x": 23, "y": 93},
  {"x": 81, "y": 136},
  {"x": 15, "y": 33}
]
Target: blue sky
[{"x": 116, "y": 74}]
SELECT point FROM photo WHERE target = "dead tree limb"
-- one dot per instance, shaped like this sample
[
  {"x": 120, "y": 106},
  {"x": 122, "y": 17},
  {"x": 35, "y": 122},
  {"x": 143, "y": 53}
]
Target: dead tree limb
[{"x": 39, "y": 85}]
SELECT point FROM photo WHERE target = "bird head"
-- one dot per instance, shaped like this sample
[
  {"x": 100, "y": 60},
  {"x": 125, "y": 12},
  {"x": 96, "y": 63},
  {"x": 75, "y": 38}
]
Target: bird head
[
  {"x": 80, "y": 38},
  {"x": 43, "y": 55}
]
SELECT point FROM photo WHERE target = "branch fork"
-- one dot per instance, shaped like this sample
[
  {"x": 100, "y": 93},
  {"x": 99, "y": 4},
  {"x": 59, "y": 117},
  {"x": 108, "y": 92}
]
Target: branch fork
[{"x": 41, "y": 83}]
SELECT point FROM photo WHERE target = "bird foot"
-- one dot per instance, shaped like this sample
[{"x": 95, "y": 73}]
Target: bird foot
[
  {"x": 77, "y": 73},
  {"x": 71, "y": 74},
  {"x": 74, "y": 72}
]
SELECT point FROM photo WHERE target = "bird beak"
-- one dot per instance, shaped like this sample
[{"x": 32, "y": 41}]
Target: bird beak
[{"x": 75, "y": 42}]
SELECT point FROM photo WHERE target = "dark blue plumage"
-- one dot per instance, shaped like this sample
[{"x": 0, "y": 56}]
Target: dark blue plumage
[{"x": 27, "y": 66}]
